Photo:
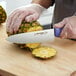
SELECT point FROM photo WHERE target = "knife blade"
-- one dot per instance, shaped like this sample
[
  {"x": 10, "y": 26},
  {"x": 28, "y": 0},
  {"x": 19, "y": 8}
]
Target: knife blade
[
  {"x": 33, "y": 37},
  {"x": 36, "y": 36}
]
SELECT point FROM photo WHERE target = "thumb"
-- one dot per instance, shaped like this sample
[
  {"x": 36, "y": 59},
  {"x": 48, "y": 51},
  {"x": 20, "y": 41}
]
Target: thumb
[{"x": 60, "y": 24}]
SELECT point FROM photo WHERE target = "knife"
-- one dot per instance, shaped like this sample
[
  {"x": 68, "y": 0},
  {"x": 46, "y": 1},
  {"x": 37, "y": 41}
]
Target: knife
[{"x": 36, "y": 36}]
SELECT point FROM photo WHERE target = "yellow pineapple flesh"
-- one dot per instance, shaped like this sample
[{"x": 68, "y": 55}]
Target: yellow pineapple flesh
[
  {"x": 44, "y": 52},
  {"x": 3, "y": 15}
]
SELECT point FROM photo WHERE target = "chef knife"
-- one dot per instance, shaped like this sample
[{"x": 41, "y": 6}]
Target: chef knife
[{"x": 35, "y": 37}]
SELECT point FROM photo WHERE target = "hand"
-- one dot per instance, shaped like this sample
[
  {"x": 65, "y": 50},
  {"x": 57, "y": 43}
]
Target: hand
[
  {"x": 69, "y": 30},
  {"x": 28, "y": 13},
  {"x": 73, "y": 74}
]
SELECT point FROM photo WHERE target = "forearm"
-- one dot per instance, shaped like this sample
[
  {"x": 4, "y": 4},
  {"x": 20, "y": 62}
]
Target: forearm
[{"x": 44, "y": 3}]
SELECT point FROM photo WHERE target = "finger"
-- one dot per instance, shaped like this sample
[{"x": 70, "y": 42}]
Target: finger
[
  {"x": 66, "y": 32},
  {"x": 73, "y": 37},
  {"x": 19, "y": 20},
  {"x": 71, "y": 32},
  {"x": 9, "y": 20},
  {"x": 32, "y": 17},
  {"x": 12, "y": 22},
  {"x": 60, "y": 24}
]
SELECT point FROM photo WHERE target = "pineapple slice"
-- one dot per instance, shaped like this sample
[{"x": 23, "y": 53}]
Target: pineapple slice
[
  {"x": 32, "y": 45},
  {"x": 3, "y": 15},
  {"x": 44, "y": 52}
]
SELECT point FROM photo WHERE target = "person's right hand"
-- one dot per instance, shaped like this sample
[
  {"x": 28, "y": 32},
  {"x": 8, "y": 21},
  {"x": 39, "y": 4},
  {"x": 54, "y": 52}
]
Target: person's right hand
[
  {"x": 73, "y": 73},
  {"x": 28, "y": 13}
]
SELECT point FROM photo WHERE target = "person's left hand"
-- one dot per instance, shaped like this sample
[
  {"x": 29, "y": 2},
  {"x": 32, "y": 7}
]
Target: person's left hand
[{"x": 69, "y": 30}]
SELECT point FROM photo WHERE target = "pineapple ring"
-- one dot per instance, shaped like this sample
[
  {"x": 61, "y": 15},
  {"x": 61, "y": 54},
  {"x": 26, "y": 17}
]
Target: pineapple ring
[{"x": 44, "y": 52}]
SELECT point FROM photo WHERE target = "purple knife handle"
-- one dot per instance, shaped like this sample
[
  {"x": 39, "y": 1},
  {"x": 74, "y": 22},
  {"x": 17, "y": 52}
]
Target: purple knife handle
[{"x": 57, "y": 31}]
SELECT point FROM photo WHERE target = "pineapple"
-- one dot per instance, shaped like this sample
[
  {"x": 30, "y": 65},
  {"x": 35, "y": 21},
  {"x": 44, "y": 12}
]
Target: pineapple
[
  {"x": 44, "y": 52},
  {"x": 3, "y": 15},
  {"x": 39, "y": 51},
  {"x": 29, "y": 27}
]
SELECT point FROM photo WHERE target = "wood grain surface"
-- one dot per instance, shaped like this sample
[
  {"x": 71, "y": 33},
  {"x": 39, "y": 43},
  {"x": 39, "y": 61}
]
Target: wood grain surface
[{"x": 20, "y": 62}]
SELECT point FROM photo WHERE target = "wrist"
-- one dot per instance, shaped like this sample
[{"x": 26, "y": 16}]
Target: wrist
[
  {"x": 44, "y": 3},
  {"x": 35, "y": 6},
  {"x": 38, "y": 7}
]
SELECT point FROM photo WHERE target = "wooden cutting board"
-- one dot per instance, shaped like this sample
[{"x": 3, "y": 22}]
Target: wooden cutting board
[{"x": 19, "y": 62}]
